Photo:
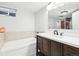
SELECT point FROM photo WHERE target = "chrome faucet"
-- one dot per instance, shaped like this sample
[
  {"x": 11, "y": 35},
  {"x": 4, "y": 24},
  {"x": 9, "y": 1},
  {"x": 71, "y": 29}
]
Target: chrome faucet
[{"x": 55, "y": 32}]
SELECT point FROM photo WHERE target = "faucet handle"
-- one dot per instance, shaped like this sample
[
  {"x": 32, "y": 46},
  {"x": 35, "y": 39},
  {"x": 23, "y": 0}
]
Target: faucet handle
[{"x": 61, "y": 33}]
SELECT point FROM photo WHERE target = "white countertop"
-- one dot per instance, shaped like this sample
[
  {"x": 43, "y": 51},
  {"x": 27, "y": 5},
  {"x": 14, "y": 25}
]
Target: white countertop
[{"x": 72, "y": 41}]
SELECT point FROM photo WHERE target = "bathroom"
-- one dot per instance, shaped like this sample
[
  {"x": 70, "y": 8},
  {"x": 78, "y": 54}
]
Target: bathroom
[
  {"x": 39, "y": 29},
  {"x": 62, "y": 36}
]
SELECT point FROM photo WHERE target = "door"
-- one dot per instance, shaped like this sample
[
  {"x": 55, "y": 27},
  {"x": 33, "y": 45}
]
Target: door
[
  {"x": 40, "y": 43},
  {"x": 70, "y": 51},
  {"x": 56, "y": 48},
  {"x": 46, "y": 47}
]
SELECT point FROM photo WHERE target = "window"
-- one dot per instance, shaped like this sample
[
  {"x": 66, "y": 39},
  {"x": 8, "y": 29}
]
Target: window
[
  {"x": 8, "y": 11},
  {"x": 12, "y": 12},
  {"x": 3, "y": 11}
]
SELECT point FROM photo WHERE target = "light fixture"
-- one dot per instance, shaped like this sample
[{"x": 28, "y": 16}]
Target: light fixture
[
  {"x": 64, "y": 12},
  {"x": 54, "y": 5}
]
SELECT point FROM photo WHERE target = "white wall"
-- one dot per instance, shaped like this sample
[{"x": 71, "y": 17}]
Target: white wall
[
  {"x": 24, "y": 21},
  {"x": 41, "y": 20},
  {"x": 75, "y": 20}
]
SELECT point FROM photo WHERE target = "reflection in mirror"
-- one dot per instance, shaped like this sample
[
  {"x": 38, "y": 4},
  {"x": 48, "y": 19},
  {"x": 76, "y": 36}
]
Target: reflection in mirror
[{"x": 61, "y": 17}]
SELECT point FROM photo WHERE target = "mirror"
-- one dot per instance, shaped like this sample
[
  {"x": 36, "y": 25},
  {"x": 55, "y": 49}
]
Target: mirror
[{"x": 61, "y": 15}]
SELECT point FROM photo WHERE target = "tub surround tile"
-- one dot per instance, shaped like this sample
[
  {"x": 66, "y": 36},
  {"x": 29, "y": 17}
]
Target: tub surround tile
[{"x": 18, "y": 35}]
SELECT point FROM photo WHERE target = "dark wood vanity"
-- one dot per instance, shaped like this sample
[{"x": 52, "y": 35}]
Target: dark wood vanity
[
  {"x": 65, "y": 23},
  {"x": 47, "y": 47}
]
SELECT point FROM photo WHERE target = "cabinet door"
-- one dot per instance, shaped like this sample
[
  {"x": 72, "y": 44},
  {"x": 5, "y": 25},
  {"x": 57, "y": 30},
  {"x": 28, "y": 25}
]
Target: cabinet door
[
  {"x": 70, "y": 51},
  {"x": 46, "y": 47},
  {"x": 56, "y": 49},
  {"x": 40, "y": 43}
]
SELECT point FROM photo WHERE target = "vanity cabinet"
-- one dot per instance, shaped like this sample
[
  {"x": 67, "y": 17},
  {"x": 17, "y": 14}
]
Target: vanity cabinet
[
  {"x": 56, "y": 48},
  {"x": 65, "y": 24},
  {"x": 47, "y": 47},
  {"x": 70, "y": 51}
]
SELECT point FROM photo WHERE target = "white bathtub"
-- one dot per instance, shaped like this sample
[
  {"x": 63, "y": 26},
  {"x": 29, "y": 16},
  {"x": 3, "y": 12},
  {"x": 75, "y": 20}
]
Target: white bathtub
[{"x": 22, "y": 47}]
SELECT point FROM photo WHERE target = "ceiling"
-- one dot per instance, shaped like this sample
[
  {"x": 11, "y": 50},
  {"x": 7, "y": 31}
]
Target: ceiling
[
  {"x": 69, "y": 6},
  {"x": 31, "y": 6}
]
